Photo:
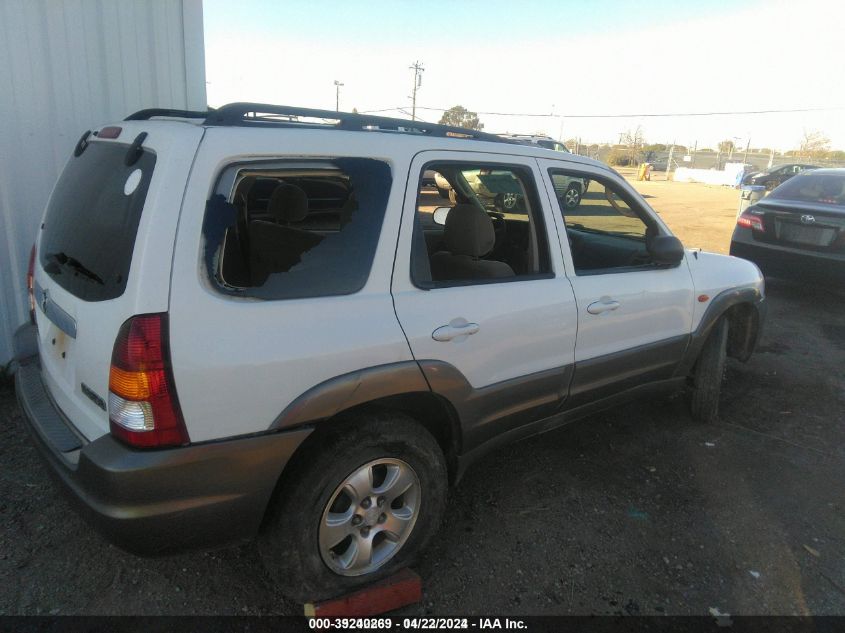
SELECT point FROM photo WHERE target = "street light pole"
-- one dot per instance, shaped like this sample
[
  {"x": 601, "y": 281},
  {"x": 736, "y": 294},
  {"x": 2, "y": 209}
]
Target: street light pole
[
  {"x": 337, "y": 85},
  {"x": 418, "y": 71}
]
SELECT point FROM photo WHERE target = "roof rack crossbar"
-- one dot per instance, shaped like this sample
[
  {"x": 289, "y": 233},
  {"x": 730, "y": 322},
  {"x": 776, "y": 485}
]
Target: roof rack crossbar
[
  {"x": 256, "y": 114},
  {"x": 149, "y": 113}
]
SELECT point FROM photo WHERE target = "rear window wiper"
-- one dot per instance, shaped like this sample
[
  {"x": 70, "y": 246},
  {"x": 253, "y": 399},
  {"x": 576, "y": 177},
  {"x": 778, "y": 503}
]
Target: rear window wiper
[{"x": 71, "y": 262}]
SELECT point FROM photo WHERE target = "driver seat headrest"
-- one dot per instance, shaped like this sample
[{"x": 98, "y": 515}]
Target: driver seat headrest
[{"x": 469, "y": 231}]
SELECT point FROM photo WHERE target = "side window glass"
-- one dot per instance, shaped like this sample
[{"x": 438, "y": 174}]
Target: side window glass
[
  {"x": 605, "y": 234},
  {"x": 298, "y": 232},
  {"x": 477, "y": 223}
]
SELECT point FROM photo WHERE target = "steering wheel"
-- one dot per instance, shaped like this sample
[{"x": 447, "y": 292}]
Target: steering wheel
[{"x": 611, "y": 198}]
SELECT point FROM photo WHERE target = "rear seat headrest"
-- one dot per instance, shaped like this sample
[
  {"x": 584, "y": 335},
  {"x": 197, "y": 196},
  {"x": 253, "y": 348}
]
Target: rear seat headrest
[{"x": 288, "y": 203}]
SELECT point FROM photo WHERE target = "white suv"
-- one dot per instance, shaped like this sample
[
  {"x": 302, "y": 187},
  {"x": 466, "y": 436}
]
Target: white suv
[{"x": 248, "y": 323}]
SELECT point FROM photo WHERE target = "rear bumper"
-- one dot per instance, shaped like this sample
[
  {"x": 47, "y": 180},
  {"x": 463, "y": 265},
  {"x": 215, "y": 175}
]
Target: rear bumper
[
  {"x": 789, "y": 263},
  {"x": 156, "y": 501}
]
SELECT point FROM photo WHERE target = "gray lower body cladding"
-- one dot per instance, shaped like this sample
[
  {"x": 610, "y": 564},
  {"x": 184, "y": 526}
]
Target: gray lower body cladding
[{"x": 156, "y": 501}]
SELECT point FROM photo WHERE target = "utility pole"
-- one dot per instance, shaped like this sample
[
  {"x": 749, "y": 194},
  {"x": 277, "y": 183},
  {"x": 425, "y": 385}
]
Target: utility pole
[
  {"x": 337, "y": 85},
  {"x": 418, "y": 71},
  {"x": 747, "y": 147},
  {"x": 694, "y": 150}
]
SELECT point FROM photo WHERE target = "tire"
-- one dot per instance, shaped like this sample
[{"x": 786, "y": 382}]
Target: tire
[
  {"x": 304, "y": 567},
  {"x": 572, "y": 196},
  {"x": 708, "y": 373}
]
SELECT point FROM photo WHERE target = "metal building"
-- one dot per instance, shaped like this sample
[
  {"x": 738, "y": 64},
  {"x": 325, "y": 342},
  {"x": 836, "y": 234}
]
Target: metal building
[{"x": 67, "y": 66}]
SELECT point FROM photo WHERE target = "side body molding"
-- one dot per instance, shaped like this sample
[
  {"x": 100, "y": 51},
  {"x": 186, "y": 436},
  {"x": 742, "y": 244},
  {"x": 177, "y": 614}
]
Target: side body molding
[
  {"x": 495, "y": 409},
  {"x": 482, "y": 413},
  {"x": 348, "y": 390},
  {"x": 601, "y": 377}
]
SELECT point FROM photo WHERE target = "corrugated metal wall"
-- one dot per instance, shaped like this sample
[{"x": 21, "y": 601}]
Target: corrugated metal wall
[{"x": 67, "y": 66}]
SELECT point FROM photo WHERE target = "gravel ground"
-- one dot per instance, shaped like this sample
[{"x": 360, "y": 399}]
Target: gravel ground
[{"x": 635, "y": 511}]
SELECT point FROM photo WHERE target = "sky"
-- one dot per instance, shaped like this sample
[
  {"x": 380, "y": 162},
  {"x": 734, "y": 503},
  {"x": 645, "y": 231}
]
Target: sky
[{"x": 566, "y": 60}]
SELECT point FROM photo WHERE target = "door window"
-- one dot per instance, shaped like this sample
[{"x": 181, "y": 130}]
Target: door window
[
  {"x": 606, "y": 232},
  {"x": 487, "y": 228}
]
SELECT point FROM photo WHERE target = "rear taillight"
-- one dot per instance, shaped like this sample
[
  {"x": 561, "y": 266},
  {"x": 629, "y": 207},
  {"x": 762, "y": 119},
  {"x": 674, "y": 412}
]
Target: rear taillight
[
  {"x": 143, "y": 408},
  {"x": 30, "y": 284},
  {"x": 750, "y": 221}
]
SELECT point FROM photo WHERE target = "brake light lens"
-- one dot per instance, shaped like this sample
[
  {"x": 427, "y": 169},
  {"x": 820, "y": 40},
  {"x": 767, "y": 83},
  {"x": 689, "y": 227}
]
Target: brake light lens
[
  {"x": 30, "y": 284},
  {"x": 750, "y": 221},
  {"x": 143, "y": 408}
]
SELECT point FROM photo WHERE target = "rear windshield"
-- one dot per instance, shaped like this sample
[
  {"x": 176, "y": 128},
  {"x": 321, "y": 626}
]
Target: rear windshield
[
  {"x": 813, "y": 187},
  {"x": 91, "y": 221}
]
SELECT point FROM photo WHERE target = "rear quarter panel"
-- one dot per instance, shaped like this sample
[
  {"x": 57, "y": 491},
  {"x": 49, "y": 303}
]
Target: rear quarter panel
[{"x": 239, "y": 362}]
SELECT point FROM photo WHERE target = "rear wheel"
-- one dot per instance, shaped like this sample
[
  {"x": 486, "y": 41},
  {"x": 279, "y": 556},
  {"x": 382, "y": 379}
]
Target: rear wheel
[
  {"x": 364, "y": 501},
  {"x": 708, "y": 374}
]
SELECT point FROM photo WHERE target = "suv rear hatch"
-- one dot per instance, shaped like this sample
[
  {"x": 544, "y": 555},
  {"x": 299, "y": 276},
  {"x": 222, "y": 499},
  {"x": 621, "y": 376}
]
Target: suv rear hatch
[{"x": 104, "y": 254}]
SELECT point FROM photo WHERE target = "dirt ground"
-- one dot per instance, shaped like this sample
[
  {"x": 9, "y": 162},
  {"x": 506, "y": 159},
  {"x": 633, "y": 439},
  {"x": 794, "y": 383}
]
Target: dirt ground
[
  {"x": 701, "y": 216},
  {"x": 633, "y": 511}
]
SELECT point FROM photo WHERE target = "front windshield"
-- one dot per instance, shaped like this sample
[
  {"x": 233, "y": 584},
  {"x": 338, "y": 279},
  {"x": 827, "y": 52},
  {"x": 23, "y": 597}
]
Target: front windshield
[{"x": 813, "y": 187}]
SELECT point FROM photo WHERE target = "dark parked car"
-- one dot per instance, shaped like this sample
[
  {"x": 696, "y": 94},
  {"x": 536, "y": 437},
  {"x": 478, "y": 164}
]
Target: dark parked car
[
  {"x": 798, "y": 230},
  {"x": 775, "y": 176}
]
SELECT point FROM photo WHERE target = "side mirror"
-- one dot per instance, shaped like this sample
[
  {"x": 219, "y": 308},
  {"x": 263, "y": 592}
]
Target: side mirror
[
  {"x": 440, "y": 214},
  {"x": 665, "y": 249}
]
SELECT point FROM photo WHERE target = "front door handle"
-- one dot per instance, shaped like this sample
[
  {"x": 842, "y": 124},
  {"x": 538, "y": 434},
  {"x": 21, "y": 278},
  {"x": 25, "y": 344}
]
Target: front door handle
[
  {"x": 457, "y": 330},
  {"x": 605, "y": 304}
]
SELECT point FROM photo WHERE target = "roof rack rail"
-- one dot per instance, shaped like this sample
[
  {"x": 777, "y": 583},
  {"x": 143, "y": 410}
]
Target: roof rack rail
[
  {"x": 149, "y": 113},
  {"x": 264, "y": 115}
]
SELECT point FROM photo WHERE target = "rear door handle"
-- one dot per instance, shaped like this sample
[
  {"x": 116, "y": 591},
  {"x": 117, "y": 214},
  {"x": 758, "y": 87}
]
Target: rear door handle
[
  {"x": 605, "y": 304},
  {"x": 457, "y": 330}
]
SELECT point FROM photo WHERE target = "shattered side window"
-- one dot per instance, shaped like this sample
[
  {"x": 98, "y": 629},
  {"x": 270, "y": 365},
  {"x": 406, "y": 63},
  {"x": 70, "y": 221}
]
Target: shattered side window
[{"x": 299, "y": 232}]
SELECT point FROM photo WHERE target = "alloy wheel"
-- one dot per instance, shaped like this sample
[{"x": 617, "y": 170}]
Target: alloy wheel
[{"x": 369, "y": 517}]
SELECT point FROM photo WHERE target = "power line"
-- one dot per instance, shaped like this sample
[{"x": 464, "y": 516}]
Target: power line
[
  {"x": 625, "y": 116},
  {"x": 406, "y": 113}
]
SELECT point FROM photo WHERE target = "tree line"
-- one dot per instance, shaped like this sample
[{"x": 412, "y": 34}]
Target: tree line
[{"x": 632, "y": 148}]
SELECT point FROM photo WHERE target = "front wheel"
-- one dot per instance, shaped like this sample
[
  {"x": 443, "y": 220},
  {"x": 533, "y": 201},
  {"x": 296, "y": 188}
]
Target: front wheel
[
  {"x": 708, "y": 374},
  {"x": 367, "y": 498}
]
